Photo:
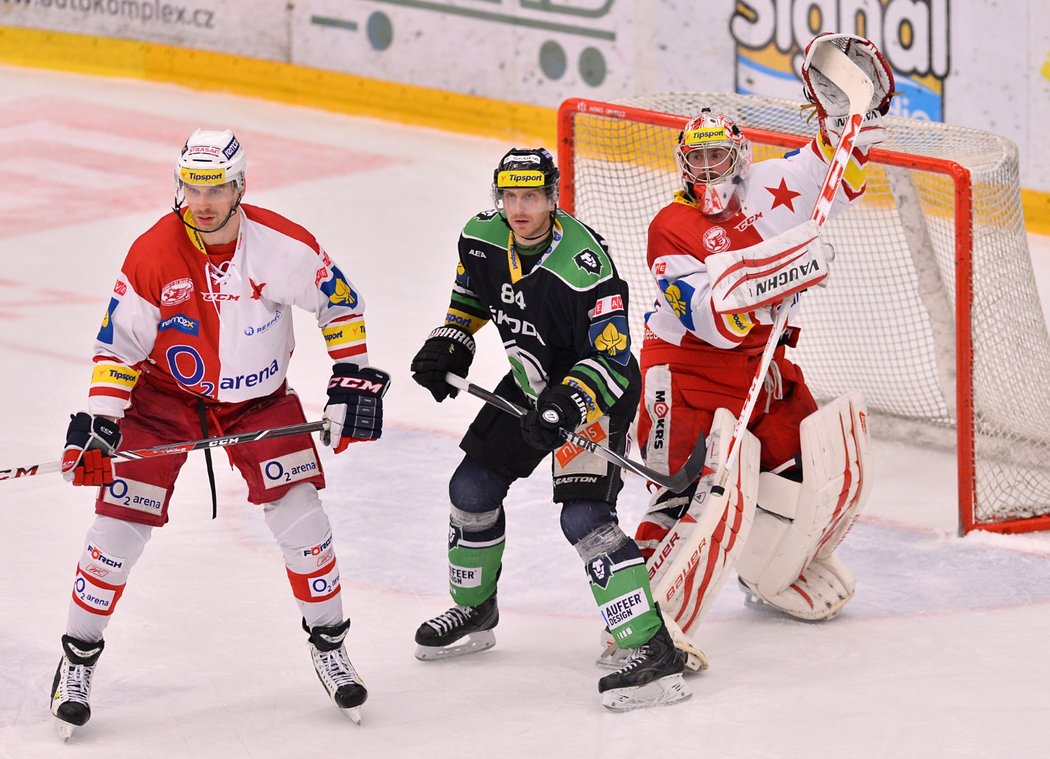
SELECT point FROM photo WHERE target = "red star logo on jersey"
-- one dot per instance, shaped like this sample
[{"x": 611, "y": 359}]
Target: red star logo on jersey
[
  {"x": 783, "y": 195},
  {"x": 256, "y": 289}
]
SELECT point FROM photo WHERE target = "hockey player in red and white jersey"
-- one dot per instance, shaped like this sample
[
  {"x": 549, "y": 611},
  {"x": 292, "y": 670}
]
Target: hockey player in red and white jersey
[
  {"x": 711, "y": 251},
  {"x": 195, "y": 342}
]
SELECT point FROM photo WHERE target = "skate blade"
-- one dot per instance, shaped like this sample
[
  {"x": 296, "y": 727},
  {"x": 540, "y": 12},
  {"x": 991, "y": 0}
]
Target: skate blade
[
  {"x": 353, "y": 714},
  {"x": 474, "y": 643},
  {"x": 662, "y": 692},
  {"x": 65, "y": 729},
  {"x": 613, "y": 657}
]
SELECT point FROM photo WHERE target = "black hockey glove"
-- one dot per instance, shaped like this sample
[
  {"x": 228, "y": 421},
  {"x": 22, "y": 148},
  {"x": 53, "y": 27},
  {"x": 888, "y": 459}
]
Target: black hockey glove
[
  {"x": 448, "y": 349},
  {"x": 557, "y": 407},
  {"x": 89, "y": 442},
  {"x": 355, "y": 405}
]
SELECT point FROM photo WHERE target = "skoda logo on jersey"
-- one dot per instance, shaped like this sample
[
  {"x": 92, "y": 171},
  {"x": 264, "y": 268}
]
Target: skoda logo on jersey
[
  {"x": 589, "y": 261},
  {"x": 599, "y": 569}
]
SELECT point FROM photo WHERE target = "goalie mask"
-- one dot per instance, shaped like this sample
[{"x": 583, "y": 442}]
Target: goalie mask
[
  {"x": 521, "y": 169},
  {"x": 715, "y": 159}
]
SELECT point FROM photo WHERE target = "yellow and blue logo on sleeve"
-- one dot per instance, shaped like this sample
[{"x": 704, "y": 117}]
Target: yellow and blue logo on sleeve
[
  {"x": 611, "y": 338},
  {"x": 679, "y": 297},
  {"x": 339, "y": 291},
  {"x": 105, "y": 333}
]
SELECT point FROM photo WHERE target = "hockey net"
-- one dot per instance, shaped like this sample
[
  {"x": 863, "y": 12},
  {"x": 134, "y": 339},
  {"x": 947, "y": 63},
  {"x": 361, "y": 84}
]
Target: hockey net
[{"x": 931, "y": 309}]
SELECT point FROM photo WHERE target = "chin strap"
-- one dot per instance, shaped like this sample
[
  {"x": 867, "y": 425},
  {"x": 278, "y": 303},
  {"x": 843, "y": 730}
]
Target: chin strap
[{"x": 177, "y": 210}]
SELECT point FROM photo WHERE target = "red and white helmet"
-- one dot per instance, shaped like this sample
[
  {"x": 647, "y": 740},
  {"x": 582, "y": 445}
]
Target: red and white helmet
[{"x": 715, "y": 159}]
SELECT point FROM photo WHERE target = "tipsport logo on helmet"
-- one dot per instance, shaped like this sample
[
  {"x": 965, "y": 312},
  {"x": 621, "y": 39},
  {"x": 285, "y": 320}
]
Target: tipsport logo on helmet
[
  {"x": 528, "y": 178},
  {"x": 701, "y": 136},
  {"x": 202, "y": 176},
  {"x": 911, "y": 34}
]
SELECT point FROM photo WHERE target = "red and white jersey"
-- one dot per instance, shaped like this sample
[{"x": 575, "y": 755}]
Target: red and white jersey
[
  {"x": 780, "y": 194},
  {"x": 224, "y": 332}
]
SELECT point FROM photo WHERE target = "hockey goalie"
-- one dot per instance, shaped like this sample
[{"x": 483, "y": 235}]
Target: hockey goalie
[{"x": 733, "y": 245}]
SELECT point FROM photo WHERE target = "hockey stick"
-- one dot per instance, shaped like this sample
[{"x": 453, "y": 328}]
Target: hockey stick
[
  {"x": 167, "y": 450},
  {"x": 847, "y": 76},
  {"x": 676, "y": 482}
]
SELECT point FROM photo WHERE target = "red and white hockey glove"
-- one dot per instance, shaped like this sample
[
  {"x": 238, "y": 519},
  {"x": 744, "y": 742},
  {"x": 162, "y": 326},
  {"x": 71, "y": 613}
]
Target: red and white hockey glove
[
  {"x": 831, "y": 102},
  {"x": 89, "y": 442},
  {"x": 355, "y": 405}
]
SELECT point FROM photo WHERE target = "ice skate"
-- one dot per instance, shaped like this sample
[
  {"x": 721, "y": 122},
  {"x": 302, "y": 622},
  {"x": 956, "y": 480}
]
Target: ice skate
[
  {"x": 71, "y": 689},
  {"x": 334, "y": 669},
  {"x": 442, "y": 636},
  {"x": 651, "y": 677}
]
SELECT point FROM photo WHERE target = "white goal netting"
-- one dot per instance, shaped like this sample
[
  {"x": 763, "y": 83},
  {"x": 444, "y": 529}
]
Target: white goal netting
[{"x": 960, "y": 371}]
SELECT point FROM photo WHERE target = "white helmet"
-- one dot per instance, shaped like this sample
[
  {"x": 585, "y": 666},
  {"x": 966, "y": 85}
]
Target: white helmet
[
  {"x": 715, "y": 159},
  {"x": 211, "y": 157}
]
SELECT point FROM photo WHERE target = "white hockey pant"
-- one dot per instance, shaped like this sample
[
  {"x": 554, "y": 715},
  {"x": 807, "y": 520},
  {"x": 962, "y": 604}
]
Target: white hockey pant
[
  {"x": 111, "y": 548},
  {"x": 789, "y": 559},
  {"x": 300, "y": 525}
]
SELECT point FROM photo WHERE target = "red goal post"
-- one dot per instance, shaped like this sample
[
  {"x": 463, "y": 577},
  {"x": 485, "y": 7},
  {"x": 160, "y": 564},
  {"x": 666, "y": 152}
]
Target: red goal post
[{"x": 931, "y": 308}]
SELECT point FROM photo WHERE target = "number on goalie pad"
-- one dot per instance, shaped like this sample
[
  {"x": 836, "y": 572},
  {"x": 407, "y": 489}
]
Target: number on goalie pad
[
  {"x": 788, "y": 560},
  {"x": 692, "y": 561},
  {"x": 769, "y": 271}
]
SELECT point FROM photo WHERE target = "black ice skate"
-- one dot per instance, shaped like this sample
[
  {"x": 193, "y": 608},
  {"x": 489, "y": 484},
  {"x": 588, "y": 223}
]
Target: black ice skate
[
  {"x": 651, "y": 677},
  {"x": 441, "y": 637},
  {"x": 334, "y": 669},
  {"x": 71, "y": 689}
]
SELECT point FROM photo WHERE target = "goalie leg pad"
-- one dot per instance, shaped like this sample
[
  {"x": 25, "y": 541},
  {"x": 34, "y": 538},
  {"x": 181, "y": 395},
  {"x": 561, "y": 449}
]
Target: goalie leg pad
[
  {"x": 800, "y": 524},
  {"x": 694, "y": 558}
]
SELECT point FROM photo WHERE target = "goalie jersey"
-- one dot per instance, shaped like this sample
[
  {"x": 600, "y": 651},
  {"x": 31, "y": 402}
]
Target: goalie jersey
[
  {"x": 780, "y": 194},
  {"x": 562, "y": 314},
  {"x": 221, "y": 332}
]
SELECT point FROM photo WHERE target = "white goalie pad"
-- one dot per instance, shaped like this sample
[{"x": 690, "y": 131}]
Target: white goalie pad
[
  {"x": 693, "y": 560},
  {"x": 769, "y": 271},
  {"x": 788, "y": 560}
]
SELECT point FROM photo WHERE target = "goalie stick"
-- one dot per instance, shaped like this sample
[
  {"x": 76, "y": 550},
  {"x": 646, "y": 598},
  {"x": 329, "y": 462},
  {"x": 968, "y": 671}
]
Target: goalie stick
[
  {"x": 847, "y": 76},
  {"x": 166, "y": 450},
  {"x": 676, "y": 482}
]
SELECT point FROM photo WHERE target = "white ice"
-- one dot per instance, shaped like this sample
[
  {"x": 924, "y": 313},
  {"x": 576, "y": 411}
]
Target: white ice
[{"x": 941, "y": 654}]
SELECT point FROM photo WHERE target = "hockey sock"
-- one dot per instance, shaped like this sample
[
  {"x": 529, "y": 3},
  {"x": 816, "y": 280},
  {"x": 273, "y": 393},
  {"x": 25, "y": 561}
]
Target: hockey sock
[
  {"x": 475, "y": 553},
  {"x": 298, "y": 522},
  {"x": 620, "y": 585},
  {"x": 111, "y": 548}
]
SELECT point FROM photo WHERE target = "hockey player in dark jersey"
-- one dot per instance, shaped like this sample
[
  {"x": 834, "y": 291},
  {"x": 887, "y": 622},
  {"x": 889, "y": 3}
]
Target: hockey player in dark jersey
[{"x": 549, "y": 285}]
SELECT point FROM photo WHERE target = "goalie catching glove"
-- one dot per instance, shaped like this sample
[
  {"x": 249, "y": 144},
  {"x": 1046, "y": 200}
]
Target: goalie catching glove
[
  {"x": 355, "y": 405},
  {"x": 831, "y": 102},
  {"x": 770, "y": 271},
  {"x": 90, "y": 440},
  {"x": 557, "y": 407}
]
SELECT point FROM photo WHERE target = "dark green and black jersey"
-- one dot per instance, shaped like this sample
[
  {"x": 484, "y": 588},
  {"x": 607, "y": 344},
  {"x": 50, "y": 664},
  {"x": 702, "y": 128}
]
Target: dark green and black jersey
[{"x": 562, "y": 314}]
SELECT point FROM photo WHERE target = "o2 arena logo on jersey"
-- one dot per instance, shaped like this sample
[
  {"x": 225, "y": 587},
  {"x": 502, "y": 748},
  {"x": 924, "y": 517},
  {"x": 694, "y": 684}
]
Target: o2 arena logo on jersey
[{"x": 912, "y": 34}]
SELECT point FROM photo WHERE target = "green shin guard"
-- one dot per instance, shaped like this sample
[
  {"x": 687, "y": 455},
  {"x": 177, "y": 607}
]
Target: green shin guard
[
  {"x": 625, "y": 601},
  {"x": 472, "y": 570}
]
